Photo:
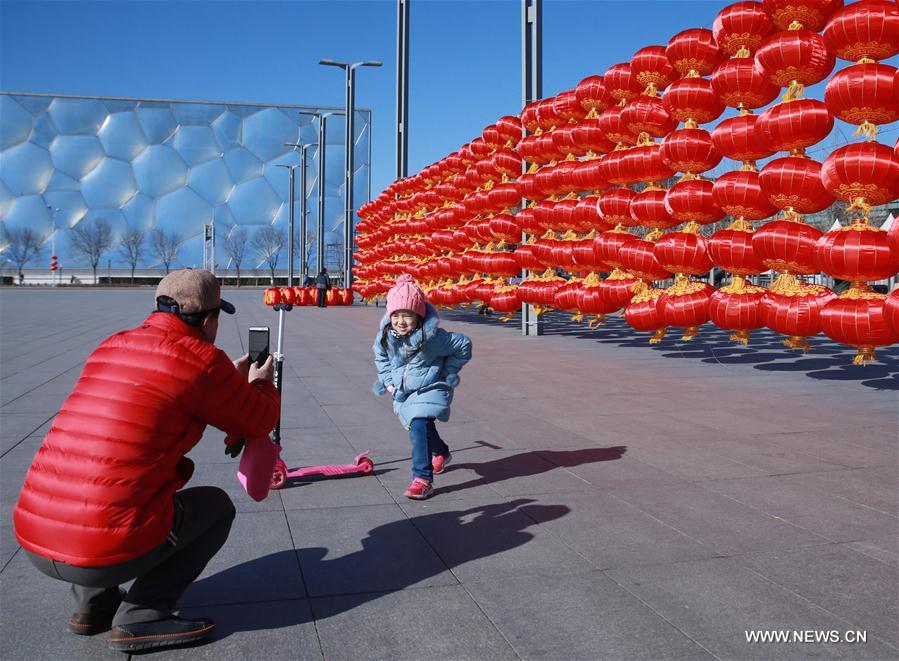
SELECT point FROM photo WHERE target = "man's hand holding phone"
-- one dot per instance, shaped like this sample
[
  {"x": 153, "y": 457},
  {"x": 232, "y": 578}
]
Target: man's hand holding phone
[{"x": 265, "y": 371}]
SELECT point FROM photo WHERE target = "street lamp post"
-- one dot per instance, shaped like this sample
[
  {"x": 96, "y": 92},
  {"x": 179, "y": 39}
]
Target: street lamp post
[
  {"x": 290, "y": 196},
  {"x": 349, "y": 143}
]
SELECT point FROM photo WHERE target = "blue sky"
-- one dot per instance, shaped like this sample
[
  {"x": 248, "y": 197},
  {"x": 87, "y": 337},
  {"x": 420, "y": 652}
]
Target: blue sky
[{"x": 465, "y": 69}]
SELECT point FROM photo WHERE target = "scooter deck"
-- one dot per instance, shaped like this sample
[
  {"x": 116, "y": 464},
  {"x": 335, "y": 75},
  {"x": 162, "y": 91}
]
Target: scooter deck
[{"x": 362, "y": 465}]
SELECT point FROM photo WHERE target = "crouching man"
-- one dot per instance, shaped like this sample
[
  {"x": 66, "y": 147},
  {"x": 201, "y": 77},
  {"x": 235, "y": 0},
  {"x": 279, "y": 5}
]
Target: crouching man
[{"x": 103, "y": 503}]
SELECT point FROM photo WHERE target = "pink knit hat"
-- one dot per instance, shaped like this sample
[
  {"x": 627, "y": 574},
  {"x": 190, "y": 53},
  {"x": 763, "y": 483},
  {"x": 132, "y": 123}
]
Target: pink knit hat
[{"x": 406, "y": 295}]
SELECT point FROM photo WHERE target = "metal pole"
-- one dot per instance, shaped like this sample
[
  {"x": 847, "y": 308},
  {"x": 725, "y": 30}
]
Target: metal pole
[
  {"x": 320, "y": 245},
  {"x": 349, "y": 130},
  {"x": 402, "y": 88},
  {"x": 531, "y": 90},
  {"x": 303, "y": 269},
  {"x": 290, "y": 197}
]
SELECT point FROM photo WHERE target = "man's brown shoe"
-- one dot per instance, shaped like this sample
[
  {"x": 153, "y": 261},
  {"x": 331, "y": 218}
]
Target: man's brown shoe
[
  {"x": 159, "y": 633},
  {"x": 90, "y": 624}
]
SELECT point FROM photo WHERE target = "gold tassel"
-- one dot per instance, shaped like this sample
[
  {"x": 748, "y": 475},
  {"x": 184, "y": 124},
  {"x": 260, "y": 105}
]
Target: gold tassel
[
  {"x": 797, "y": 342},
  {"x": 743, "y": 52},
  {"x": 795, "y": 25},
  {"x": 690, "y": 333},
  {"x": 596, "y": 323},
  {"x": 741, "y": 337},
  {"x": 864, "y": 356},
  {"x": 866, "y": 129},
  {"x": 592, "y": 114},
  {"x": 658, "y": 336},
  {"x": 579, "y": 317},
  {"x": 690, "y": 124},
  {"x": 794, "y": 91},
  {"x": 748, "y": 166}
]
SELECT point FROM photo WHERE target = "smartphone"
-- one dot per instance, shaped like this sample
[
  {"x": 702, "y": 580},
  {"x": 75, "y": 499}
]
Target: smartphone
[{"x": 258, "y": 344}]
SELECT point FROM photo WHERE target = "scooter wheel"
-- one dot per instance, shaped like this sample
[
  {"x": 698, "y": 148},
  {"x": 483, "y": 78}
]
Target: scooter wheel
[
  {"x": 279, "y": 475},
  {"x": 366, "y": 465}
]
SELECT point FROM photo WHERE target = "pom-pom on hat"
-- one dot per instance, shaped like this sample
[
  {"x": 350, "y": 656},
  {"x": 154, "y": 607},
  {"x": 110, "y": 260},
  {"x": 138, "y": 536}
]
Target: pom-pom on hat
[{"x": 406, "y": 295}]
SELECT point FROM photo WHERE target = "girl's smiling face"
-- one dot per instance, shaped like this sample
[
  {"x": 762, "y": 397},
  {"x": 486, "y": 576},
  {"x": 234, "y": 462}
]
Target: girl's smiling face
[{"x": 403, "y": 322}]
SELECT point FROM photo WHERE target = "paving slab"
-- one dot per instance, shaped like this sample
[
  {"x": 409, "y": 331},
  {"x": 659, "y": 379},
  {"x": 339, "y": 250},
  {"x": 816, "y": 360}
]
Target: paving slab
[
  {"x": 590, "y": 617},
  {"x": 434, "y": 623},
  {"x": 374, "y": 548},
  {"x": 839, "y": 579},
  {"x": 716, "y": 602}
]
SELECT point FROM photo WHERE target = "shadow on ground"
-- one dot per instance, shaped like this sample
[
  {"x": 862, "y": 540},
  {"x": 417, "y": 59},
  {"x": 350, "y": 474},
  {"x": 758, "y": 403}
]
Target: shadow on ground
[
  {"x": 826, "y": 360},
  {"x": 526, "y": 464},
  {"x": 494, "y": 528}
]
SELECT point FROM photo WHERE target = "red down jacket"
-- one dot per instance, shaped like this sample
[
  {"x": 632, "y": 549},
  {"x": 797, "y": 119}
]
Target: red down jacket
[{"x": 99, "y": 491}]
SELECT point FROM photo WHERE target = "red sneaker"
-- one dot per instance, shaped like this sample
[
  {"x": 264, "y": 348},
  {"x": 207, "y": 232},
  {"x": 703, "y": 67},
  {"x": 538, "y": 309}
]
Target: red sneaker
[
  {"x": 419, "y": 489},
  {"x": 439, "y": 462}
]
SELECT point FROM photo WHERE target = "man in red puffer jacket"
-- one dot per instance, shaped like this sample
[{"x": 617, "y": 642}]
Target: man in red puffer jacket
[{"x": 102, "y": 502}]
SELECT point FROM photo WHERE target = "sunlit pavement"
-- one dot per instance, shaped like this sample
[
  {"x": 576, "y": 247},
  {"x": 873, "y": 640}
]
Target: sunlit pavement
[{"x": 607, "y": 499}]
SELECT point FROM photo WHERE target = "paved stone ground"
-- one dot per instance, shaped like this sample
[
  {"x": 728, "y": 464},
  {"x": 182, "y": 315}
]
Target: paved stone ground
[{"x": 608, "y": 500}]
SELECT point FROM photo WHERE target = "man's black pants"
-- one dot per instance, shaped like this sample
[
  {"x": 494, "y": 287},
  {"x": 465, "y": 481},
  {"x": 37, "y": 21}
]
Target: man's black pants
[
  {"x": 203, "y": 517},
  {"x": 322, "y": 302}
]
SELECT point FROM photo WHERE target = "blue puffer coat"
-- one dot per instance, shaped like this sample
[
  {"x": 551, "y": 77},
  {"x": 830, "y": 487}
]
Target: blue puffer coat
[{"x": 423, "y": 367}]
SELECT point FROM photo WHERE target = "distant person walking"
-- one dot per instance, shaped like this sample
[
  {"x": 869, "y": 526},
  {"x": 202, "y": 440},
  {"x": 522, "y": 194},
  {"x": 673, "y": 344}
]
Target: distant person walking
[
  {"x": 418, "y": 363},
  {"x": 322, "y": 284}
]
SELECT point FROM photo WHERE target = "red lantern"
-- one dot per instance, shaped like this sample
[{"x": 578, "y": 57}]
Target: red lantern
[
  {"x": 891, "y": 310},
  {"x": 568, "y": 295},
  {"x": 608, "y": 245},
  {"x": 737, "y": 139},
  {"x": 621, "y": 83},
  {"x": 592, "y": 95},
  {"x": 694, "y": 52},
  {"x": 864, "y": 30},
  {"x": 271, "y": 296},
  {"x": 731, "y": 249},
  {"x": 638, "y": 258},
  {"x": 858, "y": 318},
  {"x": 642, "y": 314},
  {"x": 741, "y": 27},
  {"x": 685, "y": 305},
  {"x": 794, "y": 59},
  {"x": 740, "y": 85},
  {"x": 505, "y": 299},
  {"x": 794, "y": 309},
  {"x": 690, "y": 150},
  {"x": 567, "y": 107},
  {"x": 588, "y": 176},
  {"x": 787, "y": 245},
  {"x": 613, "y": 127},
  {"x": 504, "y": 228},
  {"x": 864, "y": 174},
  {"x": 617, "y": 289},
  {"x": 794, "y": 125},
  {"x": 524, "y": 255},
  {"x": 691, "y": 201},
  {"x": 646, "y": 165},
  {"x": 858, "y": 253},
  {"x": 647, "y": 114},
  {"x": 590, "y": 301},
  {"x": 614, "y": 206},
  {"x": 683, "y": 252},
  {"x": 589, "y": 136},
  {"x": 794, "y": 183},
  {"x": 648, "y": 209},
  {"x": 739, "y": 194},
  {"x": 864, "y": 94},
  {"x": 652, "y": 69},
  {"x": 692, "y": 100},
  {"x": 810, "y": 14},
  {"x": 737, "y": 307}
]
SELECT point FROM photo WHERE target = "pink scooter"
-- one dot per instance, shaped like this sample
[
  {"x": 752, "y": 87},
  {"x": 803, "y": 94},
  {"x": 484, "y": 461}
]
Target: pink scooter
[{"x": 362, "y": 465}]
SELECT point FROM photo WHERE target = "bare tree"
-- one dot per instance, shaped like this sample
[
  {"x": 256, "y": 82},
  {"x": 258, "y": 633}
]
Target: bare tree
[
  {"x": 235, "y": 245},
  {"x": 131, "y": 247},
  {"x": 165, "y": 246},
  {"x": 90, "y": 239},
  {"x": 22, "y": 246},
  {"x": 267, "y": 243}
]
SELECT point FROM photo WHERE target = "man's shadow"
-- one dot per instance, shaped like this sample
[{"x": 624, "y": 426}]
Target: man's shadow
[
  {"x": 393, "y": 556},
  {"x": 526, "y": 464}
]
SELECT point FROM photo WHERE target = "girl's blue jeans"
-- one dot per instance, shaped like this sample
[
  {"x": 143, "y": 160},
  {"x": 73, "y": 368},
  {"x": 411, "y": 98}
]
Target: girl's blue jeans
[{"x": 426, "y": 442}]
